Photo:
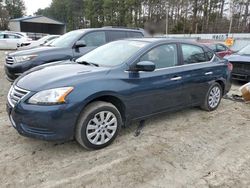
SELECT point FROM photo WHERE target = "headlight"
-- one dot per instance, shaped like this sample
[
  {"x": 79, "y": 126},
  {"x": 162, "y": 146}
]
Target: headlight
[
  {"x": 23, "y": 58},
  {"x": 50, "y": 97}
]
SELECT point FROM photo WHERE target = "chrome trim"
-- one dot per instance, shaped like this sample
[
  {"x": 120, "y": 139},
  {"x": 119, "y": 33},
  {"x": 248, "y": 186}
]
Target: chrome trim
[
  {"x": 206, "y": 62},
  {"x": 12, "y": 121},
  {"x": 15, "y": 95},
  {"x": 176, "y": 78},
  {"x": 177, "y": 66},
  {"x": 9, "y": 60},
  {"x": 208, "y": 73}
]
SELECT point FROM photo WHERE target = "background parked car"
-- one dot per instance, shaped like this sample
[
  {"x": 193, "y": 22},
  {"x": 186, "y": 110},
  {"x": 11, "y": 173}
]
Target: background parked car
[
  {"x": 241, "y": 64},
  {"x": 11, "y": 41},
  {"x": 220, "y": 49},
  {"x": 22, "y": 34},
  {"x": 31, "y": 44},
  {"x": 91, "y": 98},
  {"x": 71, "y": 45}
]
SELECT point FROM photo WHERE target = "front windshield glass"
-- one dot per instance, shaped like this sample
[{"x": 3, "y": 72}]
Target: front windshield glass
[
  {"x": 112, "y": 54},
  {"x": 67, "y": 39},
  {"x": 245, "y": 51}
]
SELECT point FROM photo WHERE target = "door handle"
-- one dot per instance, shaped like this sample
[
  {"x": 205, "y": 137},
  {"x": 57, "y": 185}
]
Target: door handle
[
  {"x": 176, "y": 78},
  {"x": 208, "y": 73}
]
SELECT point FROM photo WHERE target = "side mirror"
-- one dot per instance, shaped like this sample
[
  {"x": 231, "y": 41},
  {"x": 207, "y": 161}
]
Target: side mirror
[
  {"x": 80, "y": 44},
  {"x": 146, "y": 66}
]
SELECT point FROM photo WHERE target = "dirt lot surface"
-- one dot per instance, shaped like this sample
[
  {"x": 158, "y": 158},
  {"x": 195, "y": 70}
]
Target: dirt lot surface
[{"x": 190, "y": 148}]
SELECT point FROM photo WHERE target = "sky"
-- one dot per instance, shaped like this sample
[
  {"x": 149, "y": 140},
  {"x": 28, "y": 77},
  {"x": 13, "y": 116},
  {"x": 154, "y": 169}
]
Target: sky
[{"x": 33, "y": 5}]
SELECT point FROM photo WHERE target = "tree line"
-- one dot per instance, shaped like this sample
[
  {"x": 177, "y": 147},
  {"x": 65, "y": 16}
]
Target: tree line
[
  {"x": 10, "y": 9},
  {"x": 183, "y": 16}
]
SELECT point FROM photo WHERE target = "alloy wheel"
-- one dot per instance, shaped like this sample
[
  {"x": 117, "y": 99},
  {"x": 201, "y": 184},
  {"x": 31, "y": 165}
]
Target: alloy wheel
[
  {"x": 101, "y": 128},
  {"x": 214, "y": 97}
]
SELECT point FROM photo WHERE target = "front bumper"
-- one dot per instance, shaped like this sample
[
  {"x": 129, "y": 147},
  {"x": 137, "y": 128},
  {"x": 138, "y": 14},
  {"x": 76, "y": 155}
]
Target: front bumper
[
  {"x": 13, "y": 71},
  {"x": 241, "y": 76},
  {"x": 51, "y": 123}
]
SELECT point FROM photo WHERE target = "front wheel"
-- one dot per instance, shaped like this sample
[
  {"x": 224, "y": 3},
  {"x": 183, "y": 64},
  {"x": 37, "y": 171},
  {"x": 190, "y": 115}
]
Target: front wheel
[
  {"x": 98, "y": 125},
  {"x": 213, "y": 97}
]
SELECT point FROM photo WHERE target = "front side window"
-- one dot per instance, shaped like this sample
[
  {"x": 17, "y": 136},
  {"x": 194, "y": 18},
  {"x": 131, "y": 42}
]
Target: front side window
[
  {"x": 1, "y": 36},
  {"x": 94, "y": 39},
  {"x": 193, "y": 54},
  {"x": 68, "y": 39},
  {"x": 163, "y": 56},
  {"x": 112, "y": 54}
]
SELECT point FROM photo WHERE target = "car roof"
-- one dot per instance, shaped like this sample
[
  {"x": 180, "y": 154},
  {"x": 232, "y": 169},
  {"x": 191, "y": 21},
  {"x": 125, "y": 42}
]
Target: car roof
[
  {"x": 111, "y": 29},
  {"x": 162, "y": 40},
  {"x": 9, "y": 33}
]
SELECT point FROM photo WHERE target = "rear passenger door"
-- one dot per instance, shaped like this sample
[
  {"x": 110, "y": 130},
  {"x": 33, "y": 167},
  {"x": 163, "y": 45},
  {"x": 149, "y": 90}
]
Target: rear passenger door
[
  {"x": 198, "y": 71},
  {"x": 92, "y": 41}
]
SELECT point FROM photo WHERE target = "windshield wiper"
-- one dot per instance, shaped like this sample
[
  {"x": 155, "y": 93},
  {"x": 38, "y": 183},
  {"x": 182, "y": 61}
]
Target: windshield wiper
[{"x": 87, "y": 63}]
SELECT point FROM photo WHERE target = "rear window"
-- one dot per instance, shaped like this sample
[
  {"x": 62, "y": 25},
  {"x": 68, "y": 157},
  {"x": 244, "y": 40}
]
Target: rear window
[
  {"x": 117, "y": 35},
  {"x": 135, "y": 35}
]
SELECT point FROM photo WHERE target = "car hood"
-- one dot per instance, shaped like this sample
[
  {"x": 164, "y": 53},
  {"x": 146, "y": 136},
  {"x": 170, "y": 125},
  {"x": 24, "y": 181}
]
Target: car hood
[
  {"x": 59, "y": 74},
  {"x": 37, "y": 50},
  {"x": 238, "y": 58}
]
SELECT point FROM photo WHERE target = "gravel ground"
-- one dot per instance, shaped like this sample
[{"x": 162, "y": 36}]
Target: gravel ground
[{"x": 190, "y": 148}]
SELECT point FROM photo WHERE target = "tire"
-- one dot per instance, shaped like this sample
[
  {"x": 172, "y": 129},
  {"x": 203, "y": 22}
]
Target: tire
[
  {"x": 98, "y": 125},
  {"x": 213, "y": 98}
]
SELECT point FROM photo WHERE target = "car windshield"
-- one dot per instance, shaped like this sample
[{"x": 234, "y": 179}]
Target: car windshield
[
  {"x": 245, "y": 51},
  {"x": 112, "y": 54},
  {"x": 67, "y": 39}
]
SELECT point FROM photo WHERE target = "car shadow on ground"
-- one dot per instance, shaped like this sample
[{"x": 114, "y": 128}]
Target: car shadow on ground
[{"x": 127, "y": 134}]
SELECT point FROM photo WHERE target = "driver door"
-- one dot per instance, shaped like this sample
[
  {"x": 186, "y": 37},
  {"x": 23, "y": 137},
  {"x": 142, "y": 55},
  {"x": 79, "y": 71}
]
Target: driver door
[
  {"x": 160, "y": 90},
  {"x": 92, "y": 41}
]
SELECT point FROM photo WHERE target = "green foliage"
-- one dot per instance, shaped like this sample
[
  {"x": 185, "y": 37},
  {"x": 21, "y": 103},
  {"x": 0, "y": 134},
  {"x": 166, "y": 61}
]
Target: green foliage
[
  {"x": 15, "y": 8},
  {"x": 184, "y": 16}
]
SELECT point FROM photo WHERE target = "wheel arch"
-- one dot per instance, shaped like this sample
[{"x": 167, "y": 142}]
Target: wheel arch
[
  {"x": 110, "y": 98},
  {"x": 222, "y": 84}
]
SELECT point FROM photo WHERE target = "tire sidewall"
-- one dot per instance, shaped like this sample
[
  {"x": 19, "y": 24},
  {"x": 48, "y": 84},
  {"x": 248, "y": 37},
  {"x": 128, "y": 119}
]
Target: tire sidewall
[
  {"x": 208, "y": 93},
  {"x": 84, "y": 122}
]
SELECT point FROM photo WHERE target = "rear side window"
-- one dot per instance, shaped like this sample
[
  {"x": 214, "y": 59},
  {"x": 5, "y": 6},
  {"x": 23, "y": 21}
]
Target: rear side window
[
  {"x": 193, "y": 54},
  {"x": 117, "y": 35},
  {"x": 135, "y": 35},
  {"x": 1, "y": 36},
  {"x": 221, "y": 48},
  {"x": 210, "y": 55},
  {"x": 163, "y": 56},
  {"x": 94, "y": 39}
]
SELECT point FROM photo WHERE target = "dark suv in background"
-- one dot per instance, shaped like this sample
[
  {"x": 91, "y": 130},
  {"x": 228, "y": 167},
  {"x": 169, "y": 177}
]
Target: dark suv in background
[{"x": 71, "y": 45}]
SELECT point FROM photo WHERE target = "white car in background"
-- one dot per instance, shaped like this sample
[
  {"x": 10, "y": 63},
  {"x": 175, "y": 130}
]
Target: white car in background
[
  {"x": 42, "y": 41},
  {"x": 11, "y": 41}
]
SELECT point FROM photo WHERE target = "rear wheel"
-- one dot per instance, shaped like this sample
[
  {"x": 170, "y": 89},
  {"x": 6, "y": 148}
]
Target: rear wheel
[
  {"x": 213, "y": 97},
  {"x": 98, "y": 125}
]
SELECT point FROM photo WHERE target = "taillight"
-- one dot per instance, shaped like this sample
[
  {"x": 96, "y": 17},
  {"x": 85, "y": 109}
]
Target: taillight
[{"x": 230, "y": 66}]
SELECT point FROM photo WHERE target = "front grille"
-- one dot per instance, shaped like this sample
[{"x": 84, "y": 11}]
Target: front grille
[
  {"x": 9, "y": 60},
  {"x": 16, "y": 94},
  {"x": 241, "y": 67}
]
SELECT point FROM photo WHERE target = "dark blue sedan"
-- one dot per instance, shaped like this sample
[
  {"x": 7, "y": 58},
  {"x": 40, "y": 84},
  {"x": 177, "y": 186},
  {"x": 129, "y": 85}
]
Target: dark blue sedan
[
  {"x": 241, "y": 64},
  {"x": 92, "y": 98}
]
